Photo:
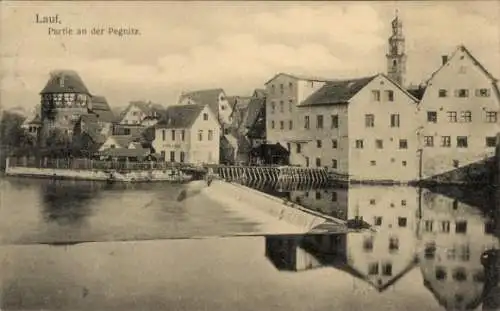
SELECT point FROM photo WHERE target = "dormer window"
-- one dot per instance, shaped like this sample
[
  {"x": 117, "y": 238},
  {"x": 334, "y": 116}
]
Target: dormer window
[{"x": 205, "y": 116}]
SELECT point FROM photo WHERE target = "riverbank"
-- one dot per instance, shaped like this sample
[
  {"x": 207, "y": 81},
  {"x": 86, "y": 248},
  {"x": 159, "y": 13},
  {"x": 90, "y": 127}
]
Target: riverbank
[
  {"x": 99, "y": 175},
  {"x": 252, "y": 204}
]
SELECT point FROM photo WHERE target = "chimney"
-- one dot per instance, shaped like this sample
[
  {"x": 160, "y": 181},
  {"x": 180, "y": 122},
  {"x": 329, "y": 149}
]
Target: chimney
[{"x": 444, "y": 59}]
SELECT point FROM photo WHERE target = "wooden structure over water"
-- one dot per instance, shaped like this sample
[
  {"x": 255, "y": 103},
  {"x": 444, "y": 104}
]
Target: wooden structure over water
[{"x": 292, "y": 174}]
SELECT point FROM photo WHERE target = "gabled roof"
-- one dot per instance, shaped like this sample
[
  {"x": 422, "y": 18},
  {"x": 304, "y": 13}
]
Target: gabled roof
[
  {"x": 299, "y": 77},
  {"x": 72, "y": 83},
  {"x": 476, "y": 62},
  {"x": 180, "y": 116},
  {"x": 208, "y": 97},
  {"x": 253, "y": 110},
  {"x": 238, "y": 102},
  {"x": 99, "y": 103},
  {"x": 35, "y": 121},
  {"x": 122, "y": 140},
  {"x": 338, "y": 92},
  {"x": 341, "y": 91},
  {"x": 92, "y": 128}
]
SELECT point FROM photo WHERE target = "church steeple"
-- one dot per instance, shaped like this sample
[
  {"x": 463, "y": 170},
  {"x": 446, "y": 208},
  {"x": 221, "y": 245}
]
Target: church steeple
[{"x": 396, "y": 57}]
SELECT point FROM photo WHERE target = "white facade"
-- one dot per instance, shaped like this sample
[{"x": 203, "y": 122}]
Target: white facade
[
  {"x": 459, "y": 115},
  {"x": 196, "y": 144},
  {"x": 134, "y": 115}
]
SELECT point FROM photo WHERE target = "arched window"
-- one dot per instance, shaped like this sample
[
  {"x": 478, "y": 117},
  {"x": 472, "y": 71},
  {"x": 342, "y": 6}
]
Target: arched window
[{"x": 394, "y": 62}]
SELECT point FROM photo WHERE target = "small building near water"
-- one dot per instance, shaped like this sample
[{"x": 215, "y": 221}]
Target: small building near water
[{"x": 188, "y": 134}]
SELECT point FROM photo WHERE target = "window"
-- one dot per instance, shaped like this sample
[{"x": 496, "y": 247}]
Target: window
[
  {"x": 368, "y": 243},
  {"x": 290, "y": 105},
  {"x": 462, "y": 141},
  {"x": 428, "y": 225},
  {"x": 403, "y": 163},
  {"x": 318, "y": 162},
  {"x": 373, "y": 269},
  {"x": 334, "y": 163},
  {"x": 452, "y": 116},
  {"x": 456, "y": 163},
  {"x": 113, "y": 146},
  {"x": 379, "y": 143},
  {"x": 290, "y": 124},
  {"x": 210, "y": 135},
  {"x": 462, "y": 93},
  {"x": 376, "y": 95},
  {"x": 273, "y": 88},
  {"x": 440, "y": 273},
  {"x": 402, "y": 221},
  {"x": 403, "y": 144},
  {"x": 205, "y": 116},
  {"x": 290, "y": 85},
  {"x": 394, "y": 120},
  {"x": 273, "y": 107},
  {"x": 432, "y": 116},
  {"x": 335, "y": 121},
  {"x": 389, "y": 95},
  {"x": 319, "y": 143},
  {"x": 393, "y": 244},
  {"x": 443, "y": 93},
  {"x": 483, "y": 93},
  {"x": 369, "y": 120},
  {"x": 459, "y": 274},
  {"x": 491, "y": 116},
  {"x": 455, "y": 202},
  {"x": 373, "y": 163},
  {"x": 282, "y": 125},
  {"x": 172, "y": 156},
  {"x": 182, "y": 156},
  {"x": 282, "y": 88},
  {"x": 445, "y": 226},
  {"x": 491, "y": 141},
  {"x": 307, "y": 161},
  {"x": 183, "y": 135},
  {"x": 387, "y": 269},
  {"x": 200, "y": 135},
  {"x": 445, "y": 141},
  {"x": 173, "y": 134},
  {"x": 359, "y": 144},
  {"x": 318, "y": 195},
  {"x": 288, "y": 147},
  {"x": 319, "y": 121},
  {"x": 162, "y": 155},
  {"x": 306, "y": 122},
  {"x": 334, "y": 196},
  {"x": 299, "y": 148},
  {"x": 163, "y": 135},
  {"x": 429, "y": 141},
  {"x": 126, "y": 131},
  {"x": 461, "y": 226},
  {"x": 372, "y": 202},
  {"x": 466, "y": 116},
  {"x": 272, "y": 124},
  {"x": 378, "y": 221},
  {"x": 334, "y": 144},
  {"x": 403, "y": 202}
]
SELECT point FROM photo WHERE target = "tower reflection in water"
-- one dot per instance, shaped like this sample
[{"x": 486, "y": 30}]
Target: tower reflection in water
[{"x": 444, "y": 233}]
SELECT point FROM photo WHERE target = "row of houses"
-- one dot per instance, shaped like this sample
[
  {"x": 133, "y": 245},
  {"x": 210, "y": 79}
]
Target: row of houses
[{"x": 370, "y": 128}]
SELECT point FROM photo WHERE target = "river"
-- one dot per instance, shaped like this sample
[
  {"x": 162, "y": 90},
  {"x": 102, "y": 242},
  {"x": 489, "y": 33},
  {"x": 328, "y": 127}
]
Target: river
[{"x": 142, "y": 250}]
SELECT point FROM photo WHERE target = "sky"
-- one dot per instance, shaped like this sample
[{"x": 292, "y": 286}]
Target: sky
[{"x": 236, "y": 46}]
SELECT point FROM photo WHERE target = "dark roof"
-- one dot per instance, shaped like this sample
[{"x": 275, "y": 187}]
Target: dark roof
[
  {"x": 417, "y": 92},
  {"x": 125, "y": 152},
  {"x": 300, "y": 77},
  {"x": 254, "y": 109},
  {"x": 36, "y": 120},
  {"x": 72, "y": 83},
  {"x": 99, "y": 103},
  {"x": 337, "y": 92},
  {"x": 208, "y": 97},
  {"x": 259, "y": 93},
  {"x": 92, "y": 128},
  {"x": 180, "y": 116}
]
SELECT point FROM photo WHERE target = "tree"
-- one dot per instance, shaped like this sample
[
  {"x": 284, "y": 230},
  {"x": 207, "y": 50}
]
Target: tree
[{"x": 11, "y": 133}]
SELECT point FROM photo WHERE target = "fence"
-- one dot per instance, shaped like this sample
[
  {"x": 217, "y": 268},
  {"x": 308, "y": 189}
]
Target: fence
[{"x": 89, "y": 164}]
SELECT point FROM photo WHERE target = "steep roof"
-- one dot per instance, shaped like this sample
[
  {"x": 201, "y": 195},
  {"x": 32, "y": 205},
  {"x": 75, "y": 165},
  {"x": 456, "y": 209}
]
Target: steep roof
[
  {"x": 208, "y": 97},
  {"x": 72, "y": 83},
  {"x": 92, "y": 128},
  {"x": 101, "y": 109},
  {"x": 299, "y": 77},
  {"x": 476, "y": 62},
  {"x": 254, "y": 108},
  {"x": 259, "y": 93},
  {"x": 180, "y": 116},
  {"x": 338, "y": 92}
]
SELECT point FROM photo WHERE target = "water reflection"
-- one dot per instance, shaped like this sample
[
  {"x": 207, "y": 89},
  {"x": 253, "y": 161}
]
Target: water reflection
[{"x": 443, "y": 232}]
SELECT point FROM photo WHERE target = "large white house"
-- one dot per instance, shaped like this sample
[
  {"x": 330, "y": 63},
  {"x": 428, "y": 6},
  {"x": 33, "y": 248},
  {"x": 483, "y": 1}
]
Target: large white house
[
  {"x": 458, "y": 114},
  {"x": 188, "y": 134}
]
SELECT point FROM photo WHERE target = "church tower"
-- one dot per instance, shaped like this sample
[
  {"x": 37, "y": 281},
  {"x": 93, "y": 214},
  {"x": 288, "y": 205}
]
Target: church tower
[{"x": 396, "y": 58}]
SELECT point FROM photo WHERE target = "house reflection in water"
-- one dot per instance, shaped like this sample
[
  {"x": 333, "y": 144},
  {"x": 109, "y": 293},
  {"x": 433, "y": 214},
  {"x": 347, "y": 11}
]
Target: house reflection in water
[
  {"x": 444, "y": 235},
  {"x": 454, "y": 235}
]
